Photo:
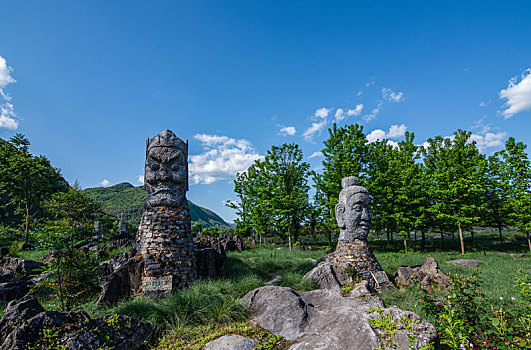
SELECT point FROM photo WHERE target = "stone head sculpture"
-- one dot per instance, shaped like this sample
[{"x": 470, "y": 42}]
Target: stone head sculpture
[
  {"x": 166, "y": 171},
  {"x": 353, "y": 213}
]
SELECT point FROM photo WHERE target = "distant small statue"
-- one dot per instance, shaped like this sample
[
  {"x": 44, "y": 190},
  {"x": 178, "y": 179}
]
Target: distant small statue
[{"x": 354, "y": 219}]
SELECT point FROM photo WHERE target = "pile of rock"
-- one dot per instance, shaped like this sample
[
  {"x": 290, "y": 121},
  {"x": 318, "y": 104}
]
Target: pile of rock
[
  {"x": 324, "y": 319},
  {"x": 427, "y": 274},
  {"x": 26, "y": 324}
]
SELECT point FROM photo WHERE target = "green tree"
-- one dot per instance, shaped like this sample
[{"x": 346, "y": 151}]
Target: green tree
[
  {"x": 26, "y": 180},
  {"x": 73, "y": 206},
  {"x": 497, "y": 190},
  {"x": 454, "y": 168},
  {"x": 517, "y": 169},
  {"x": 346, "y": 153}
]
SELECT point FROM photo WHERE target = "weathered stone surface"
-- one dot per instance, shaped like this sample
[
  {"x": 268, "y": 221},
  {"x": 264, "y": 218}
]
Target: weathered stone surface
[
  {"x": 354, "y": 218},
  {"x": 209, "y": 262},
  {"x": 13, "y": 290},
  {"x": 327, "y": 277},
  {"x": 323, "y": 319},
  {"x": 24, "y": 323},
  {"x": 520, "y": 255},
  {"x": 427, "y": 274},
  {"x": 120, "y": 277},
  {"x": 24, "y": 267},
  {"x": 231, "y": 342},
  {"x": 280, "y": 309},
  {"x": 17, "y": 311},
  {"x": 466, "y": 262}
]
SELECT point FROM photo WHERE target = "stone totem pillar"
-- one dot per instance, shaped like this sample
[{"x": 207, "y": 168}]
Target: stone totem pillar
[
  {"x": 354, "y": 220},
  {"x": 164, "y": 237}
]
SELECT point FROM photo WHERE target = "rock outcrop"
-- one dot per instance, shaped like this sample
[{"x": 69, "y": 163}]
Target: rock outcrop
[
  {"x": 324, "y": 319},
  {"x": 427, "y": 274},
  {"x": 25, "y": 324},
  {"x": 231, "y": 342},
  {"x": 465, "y": 262}
]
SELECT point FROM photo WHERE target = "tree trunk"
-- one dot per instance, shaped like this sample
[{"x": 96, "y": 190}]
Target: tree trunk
[
  {"x": 442, "y": 238},
  {"x": 472, "y": 236},
  {"x": 529, "y": 241},
  {"x": 405, "y": 244},
  {"x": 388, "y": 240},
  {"x": 415, "y": 236},
  {"x": 500, "y": 231},
  {"x": 26, "y": 224},
  {"x": 289, "y": 240},
  {"x": 423, "y": 238},
  {"x": 461, "y": 238}
]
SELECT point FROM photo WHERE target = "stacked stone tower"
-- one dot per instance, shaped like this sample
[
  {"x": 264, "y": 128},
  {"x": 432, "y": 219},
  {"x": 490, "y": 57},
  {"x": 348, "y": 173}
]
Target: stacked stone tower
[
  {"x": 354, "y": 220},
  {"x": 164, "y": 237}
]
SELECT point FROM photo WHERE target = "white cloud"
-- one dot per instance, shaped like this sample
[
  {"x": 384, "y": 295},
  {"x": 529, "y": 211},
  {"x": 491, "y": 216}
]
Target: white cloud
[
  {"x": 7, "y": 112},
  {"x": 316, "y": 154},
  {"x": 518, "y": 95},
  {"x": 391, "y": 96},
  {"x": 105, "y": 182},
  {"x": 488, "y": 140},
  {"x": 314, "y": 129},
  {"x": 5, "y": 74},
  {"x": 322, "y": 112},
  {"x": 484, "y": 104},
  {"x": 7, "y": 116},
  {"x": 393, "y": 144},
  {"x": 288, "y": 130},
  {"x": 339, "y": 114},
  {"x": 221, "y": 159},
  {"x": 356, "y": 111},
  {"x": 395, "y": 131},
  {"x": 140, "y": 179},
  {"x": 374, "y": 112}
]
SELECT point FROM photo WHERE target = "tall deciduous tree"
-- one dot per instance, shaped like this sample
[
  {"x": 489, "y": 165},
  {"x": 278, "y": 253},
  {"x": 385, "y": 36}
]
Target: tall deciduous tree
[
  {"x": 25, "y": 180},
  {"x": 346, "y": 153},
  {"x": 518, "y": 171}
]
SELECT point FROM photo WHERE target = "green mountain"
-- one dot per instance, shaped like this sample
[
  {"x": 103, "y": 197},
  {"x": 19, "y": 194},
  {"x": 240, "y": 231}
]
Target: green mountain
[{"x": 128, "y": 200}]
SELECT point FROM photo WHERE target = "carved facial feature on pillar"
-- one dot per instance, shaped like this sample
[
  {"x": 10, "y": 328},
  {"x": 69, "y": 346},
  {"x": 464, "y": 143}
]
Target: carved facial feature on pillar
[
  {"x": 353, "y": 211},
  {"x": 166, "y": 170}
]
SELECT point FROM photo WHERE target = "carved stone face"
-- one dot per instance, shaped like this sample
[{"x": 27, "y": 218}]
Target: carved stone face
[
  {"x": 165, "y": 177},
  {"x": 354, "y": 217}
]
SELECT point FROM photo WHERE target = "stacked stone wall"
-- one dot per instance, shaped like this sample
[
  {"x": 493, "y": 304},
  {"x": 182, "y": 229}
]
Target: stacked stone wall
[
  {"x": 166, "y": 243},
  {"x": 359, "y": 256}
]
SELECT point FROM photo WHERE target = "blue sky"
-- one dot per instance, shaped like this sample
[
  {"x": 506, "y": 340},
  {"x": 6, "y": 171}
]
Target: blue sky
[{"x": 88, "y": 81}]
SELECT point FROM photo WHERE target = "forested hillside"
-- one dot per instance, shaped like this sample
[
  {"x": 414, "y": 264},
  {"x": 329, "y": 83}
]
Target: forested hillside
[{"x": 129, "y": 200}]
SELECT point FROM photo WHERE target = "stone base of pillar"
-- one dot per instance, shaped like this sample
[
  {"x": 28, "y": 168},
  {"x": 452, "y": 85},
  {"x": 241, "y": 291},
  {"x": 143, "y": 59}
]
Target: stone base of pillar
[{"x": 166, "y": 244}]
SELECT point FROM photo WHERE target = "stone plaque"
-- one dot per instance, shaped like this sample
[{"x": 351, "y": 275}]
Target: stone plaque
[
  {"x": 157, "y": 284},
  {"x": 380, "y": 277}
]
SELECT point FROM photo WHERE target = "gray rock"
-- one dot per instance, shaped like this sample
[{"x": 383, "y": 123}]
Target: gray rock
[
  {"x": 279, "y": 309},
  {"x": 25, "y": 267},
  {"x": 13, "y": 290},
  {"x": 327, "y": 277},
  {"x": 231, "y": 342},
  {"x": 323, "y": 319},
  {"x": 209, "y": 262},
  {"x": 25, "y": 320},
  {"x": 466, "y": 262},
  {"x": 427, "y": 274},
  {"x": 517, "y": 255},
  {"x": 120, "y": 277}
]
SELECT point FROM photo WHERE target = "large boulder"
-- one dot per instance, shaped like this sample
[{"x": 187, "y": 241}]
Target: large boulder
[
  {"x": 427, "y": 274},
  {"x": 14, "y": 289},
  {"x": 231, "y": 342},
  {"x": 326, "y": 276},
  {"x": 25, "y": 324},
  {"x": 324, "y": 319},
  {"x": 120, "y": 277}
]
